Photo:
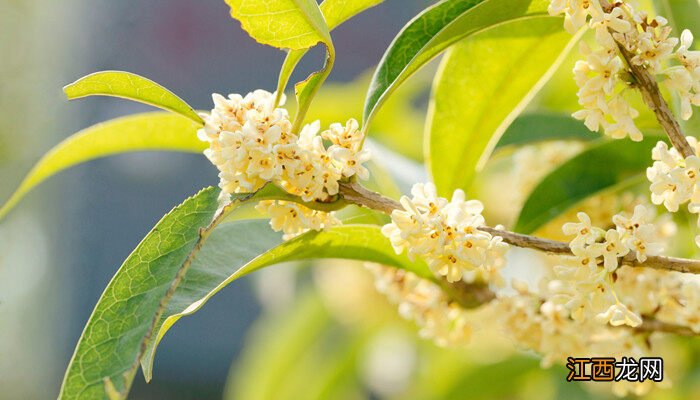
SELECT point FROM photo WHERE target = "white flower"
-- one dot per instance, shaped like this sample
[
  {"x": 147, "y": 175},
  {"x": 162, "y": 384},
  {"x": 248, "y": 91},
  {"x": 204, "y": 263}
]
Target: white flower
[
  {"x": 351, "y": 161},
  {"x": 576, "y": 12},
  {"x": 618, "y": 314},
  {"x": 611, "y": 249},
  {"x": 348, "y": 136},
  {"x": 583, "y": 230},
  {"x": 251, "y": 143},
  {"x": 446, "y": 235},
  {"x": 294, "y": 219},
  {"x": 424, "y": 302},
  {"x": 674, "y": 179},
  {"x": 638, "y": 233}
]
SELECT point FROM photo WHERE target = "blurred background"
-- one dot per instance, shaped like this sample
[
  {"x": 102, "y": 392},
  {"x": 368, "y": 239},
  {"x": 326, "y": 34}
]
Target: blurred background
[{"x": 284, "y": 333}]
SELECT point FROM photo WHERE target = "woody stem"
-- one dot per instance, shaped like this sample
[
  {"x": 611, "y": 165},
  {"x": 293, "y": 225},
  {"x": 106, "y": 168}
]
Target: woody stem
[{"x": 357, "y": 194}]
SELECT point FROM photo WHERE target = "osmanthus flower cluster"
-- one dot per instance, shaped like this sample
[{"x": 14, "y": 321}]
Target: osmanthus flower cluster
[
  {"x": 667, "y": 296},
  {"x": 446, "y": 235},
  {"x": 251, "y": 142},
  {"x": 603, "y": 77},
  {"x": 424, "y": 302},
  {"x": 535, "y": 321},
  {"x": 584, "y": 285},
  {"x": 674, "y": 178}
]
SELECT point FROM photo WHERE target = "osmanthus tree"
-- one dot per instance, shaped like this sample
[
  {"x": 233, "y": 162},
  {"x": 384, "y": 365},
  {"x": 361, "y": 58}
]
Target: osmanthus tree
[{"x": 606, "y": 289}]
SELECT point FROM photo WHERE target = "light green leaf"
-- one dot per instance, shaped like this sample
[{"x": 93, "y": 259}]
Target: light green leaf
[
  {"x": 306, "y": 90},
  {"x": 483, "y": 84},
  {"x": 106, "y": 358},
  {"x": 294, "y": 25},
  {"x": 285, "y": 24},
  {"x": 150, "y": 283},
  {"x": 431, "y": 32},
  {"x": 538, "y": 127},
  {"x": 229, "y": 255},
  {"x": 338, "y": 11},
  {"x": 335, "y": 12},
  {"x": 133, "y": 87},
  {"x": 139, "y": 132},
  {"x": 600, "y": 167}
]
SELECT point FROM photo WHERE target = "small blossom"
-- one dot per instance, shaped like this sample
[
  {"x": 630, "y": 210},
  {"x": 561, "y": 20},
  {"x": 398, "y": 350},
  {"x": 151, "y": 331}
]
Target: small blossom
[
  {"x": 611, "y": 249},
  {"x": 583, "y": 230},
  {"x": 446, "y": 235},
  {"x": 674, "y": 179},
  {"x": 424, "y": 302},
  {"x": 618, "y": 314},
  {"x": 294, "y": 219}
]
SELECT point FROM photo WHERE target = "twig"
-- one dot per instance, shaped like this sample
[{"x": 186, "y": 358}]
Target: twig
[
  {"x": 357, "y": 194},
  {"x": 652, "y": 96},
  {"x": 654, "y": 325}
]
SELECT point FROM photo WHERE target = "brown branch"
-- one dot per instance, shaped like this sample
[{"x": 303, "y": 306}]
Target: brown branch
[
  {"x": 357, "y": 194},
  {"x": 473, "y": 295},
  {"x": 467, "y": 295},
  {"x": 654, "y": 325},
  {"x": 647, "y": 85}
]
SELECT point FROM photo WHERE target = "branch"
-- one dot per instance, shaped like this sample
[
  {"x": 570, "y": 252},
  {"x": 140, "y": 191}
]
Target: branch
[
  {"x": 476, "y": 294},
  {"x": 357, "y": 194},
  {"x": 654, "y": 325},
  {"x": 652, "y": 96}
]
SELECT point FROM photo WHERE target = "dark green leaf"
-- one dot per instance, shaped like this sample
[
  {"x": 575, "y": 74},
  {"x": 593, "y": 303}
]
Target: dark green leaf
[
  {"x": 431, "y": 32},
  {"x": 600, "y": 167},
  {"x": 228, "y": 255},
  {"x": 108, "y": 352},
  {"x": 538, "y": 127}
]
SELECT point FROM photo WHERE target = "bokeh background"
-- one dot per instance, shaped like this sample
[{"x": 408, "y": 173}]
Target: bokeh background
[{"x": 282, "y": 333}]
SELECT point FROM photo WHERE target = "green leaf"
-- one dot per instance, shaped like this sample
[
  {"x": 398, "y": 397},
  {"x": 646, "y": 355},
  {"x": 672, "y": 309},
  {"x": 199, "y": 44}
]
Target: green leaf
[
  {"x": 133, "y": 87},
  {"x": 139, "y": 132},
  {"x": 106, "y": 357},
  {"x": 335, "y": 12},
  {"x": 681, "y": 14},
  {"x": 600, "y": 167},
  {"x": 226, "y": 257},
  {"x": 431, "y": 32},
  {"x": 539, "y": 127},
  {"x": 285, "y": 24},
  {"x": 338, "y": 11},
  {"x": 483, "y": 84},
  {"x": 306, "y": 90},
  {"x": 294, "y": 25}
]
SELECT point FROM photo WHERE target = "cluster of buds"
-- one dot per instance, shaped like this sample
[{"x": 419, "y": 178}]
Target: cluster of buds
[
  {"x": 446, "y": 234},
  {"x": 603, "y": 78},
  {"x": 584, "y": 285},
  {"x": 251, "y": 143},
  {"x": 422, "y": 301},
  {"x": 293, "y": 219},
  {"x": 667, "y": 296},
  {"x": 674, "y": 178},
  {"x": 535, "y": 320}
]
